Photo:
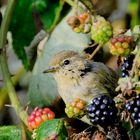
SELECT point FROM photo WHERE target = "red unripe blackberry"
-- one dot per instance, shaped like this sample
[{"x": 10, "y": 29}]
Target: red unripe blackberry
[
  {"x": 38, "y": 116},
  {"x": 84, "y": 17},
  {"x": 121, "y": 45},
  {"x": 80, "y": 23}
]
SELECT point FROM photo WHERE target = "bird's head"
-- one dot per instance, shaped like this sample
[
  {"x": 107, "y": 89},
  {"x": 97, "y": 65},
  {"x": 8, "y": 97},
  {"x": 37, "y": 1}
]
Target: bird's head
[{"x": 68, "y": 64}]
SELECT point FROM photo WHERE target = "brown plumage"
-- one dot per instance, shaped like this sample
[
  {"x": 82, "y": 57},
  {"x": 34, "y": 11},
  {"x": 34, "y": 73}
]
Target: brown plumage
[{"x": 78, "y": 77}]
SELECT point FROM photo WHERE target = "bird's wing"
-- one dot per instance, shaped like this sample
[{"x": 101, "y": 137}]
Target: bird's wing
[{"x": 106, "y": 76}]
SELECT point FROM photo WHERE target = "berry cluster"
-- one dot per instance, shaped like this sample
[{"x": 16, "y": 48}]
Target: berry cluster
[
  {"x": 80, "y": 23},
  {"x": 101, "y": 30},
  {"x": 102, "y": 111},
  {"x": 133, "y": 107},
  {"x": 76, "y": 108},
  {"x": 38, "y": 116},
  {"x": 127, "y": 65},
  {"x": 121, "y": 45}
]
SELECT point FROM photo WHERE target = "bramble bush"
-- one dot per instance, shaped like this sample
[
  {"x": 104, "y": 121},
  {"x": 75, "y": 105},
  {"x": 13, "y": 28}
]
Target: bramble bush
[{"x": 40, "y": 28}]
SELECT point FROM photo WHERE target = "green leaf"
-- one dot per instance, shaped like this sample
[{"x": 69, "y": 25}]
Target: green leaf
[
  {"x": 42, "y": 88},
  {"x": 48, "y": 12},
  {"x": 136, "y": 29},
  {"x": 22, "y": 28},
  {"x": 136, "y": 34},
  {"x": 30, "y": 16},
  {"x": 40, "y": 5},
  {"x": 10, "y": 133},
  {"x": 51, "y": 128}
]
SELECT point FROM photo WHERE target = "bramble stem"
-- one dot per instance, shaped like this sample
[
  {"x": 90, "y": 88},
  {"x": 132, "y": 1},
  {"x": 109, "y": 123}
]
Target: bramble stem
[
  {"x": 89, "y": 5},
  {"x": 15, "y": 79},
  {"x": 3, "y": 62},
  {"x": 95, "y": 51}
]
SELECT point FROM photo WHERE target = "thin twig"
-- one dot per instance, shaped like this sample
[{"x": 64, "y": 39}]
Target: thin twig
[
  {"x": 31, "y": 50},
  {"x": 76, "y": 7},
  {"x": 93, "y": 45},
  {"x": 134, "y": 70},
  {"x": 95, "y": 51},
  {"x": 89, "y": 5},
  {"x": 23, "y": 131}
]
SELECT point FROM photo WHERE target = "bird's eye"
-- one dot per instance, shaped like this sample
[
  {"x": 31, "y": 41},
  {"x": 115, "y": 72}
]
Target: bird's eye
[{"x": 66, "y": 62}]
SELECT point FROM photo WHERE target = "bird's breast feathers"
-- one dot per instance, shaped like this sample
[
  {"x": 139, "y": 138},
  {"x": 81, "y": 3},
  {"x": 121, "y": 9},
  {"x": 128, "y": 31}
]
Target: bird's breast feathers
[{"x": 85, "y": 88}]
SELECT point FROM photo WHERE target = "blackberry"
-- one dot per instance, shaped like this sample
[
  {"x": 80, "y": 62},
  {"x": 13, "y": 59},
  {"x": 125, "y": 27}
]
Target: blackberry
[
  {"x": 125, "y": 73},
  {"x": 133, "y": 107},
  {"x": 101, "y": 30},
  {"x": 121, "y": 45},
  {"x": 80, "y": 23},
  {"x": 38, "y": 116},
  {"x": 127, "y": 65},
  {"x": 76, "y": 108},
  {"x": 102, "y": 111}
]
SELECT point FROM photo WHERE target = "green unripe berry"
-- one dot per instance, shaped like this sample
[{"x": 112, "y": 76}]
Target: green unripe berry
[
  {"x": 125, "y": 45},
  {"x": 118, "y": 44},
  {"x": 75, "y": 109},
  {"x": 121, "y": 50},
  {"x": 127, "y": 52},
  {"x": 77, "y": 30},
  {"x": 101, "y": 30}
]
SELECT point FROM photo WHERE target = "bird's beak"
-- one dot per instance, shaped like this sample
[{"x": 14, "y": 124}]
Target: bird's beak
[{"x": 51, "y": 70}]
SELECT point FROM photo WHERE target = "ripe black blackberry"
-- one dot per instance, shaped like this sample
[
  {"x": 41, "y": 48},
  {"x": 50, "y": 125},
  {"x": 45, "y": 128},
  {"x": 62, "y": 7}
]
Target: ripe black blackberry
[
  {"x": 127, "y": 65},
  {"x": 102, "y": 111},
  {"x": 133, "y": 107}
]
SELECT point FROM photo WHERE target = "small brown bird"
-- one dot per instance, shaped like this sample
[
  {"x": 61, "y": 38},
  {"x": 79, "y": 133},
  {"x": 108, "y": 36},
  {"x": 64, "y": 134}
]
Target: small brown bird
[{"x": 78, "y": 77}]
